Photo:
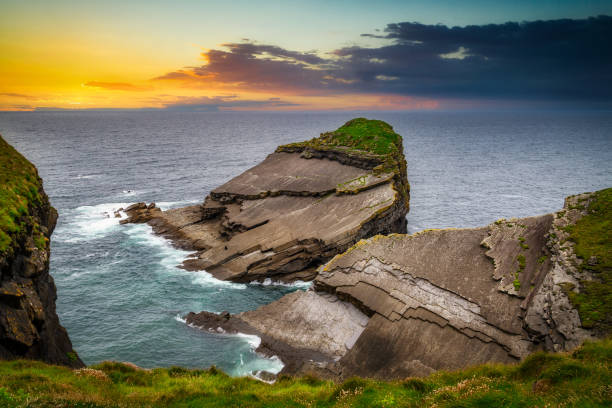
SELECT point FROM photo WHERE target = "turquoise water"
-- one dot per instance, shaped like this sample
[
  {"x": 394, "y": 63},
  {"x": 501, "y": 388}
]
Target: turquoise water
[{"x": 120, "y": 293}]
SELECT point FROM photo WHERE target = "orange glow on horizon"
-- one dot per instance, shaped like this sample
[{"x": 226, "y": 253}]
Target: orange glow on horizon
[{"x": 70, "y": 74}]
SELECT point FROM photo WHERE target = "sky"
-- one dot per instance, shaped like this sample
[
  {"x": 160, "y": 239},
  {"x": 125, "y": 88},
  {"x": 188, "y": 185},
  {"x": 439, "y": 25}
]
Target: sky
[{"x": 308, "y": 55}]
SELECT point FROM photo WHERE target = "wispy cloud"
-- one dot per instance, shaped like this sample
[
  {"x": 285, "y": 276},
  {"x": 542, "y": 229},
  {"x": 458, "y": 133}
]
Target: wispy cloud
[
  {"x": 116, "y": 86},
  {"x": 228, "y": 102},
  {"x": 182, "y": 103},
  {"x": 17, "y": 95}
]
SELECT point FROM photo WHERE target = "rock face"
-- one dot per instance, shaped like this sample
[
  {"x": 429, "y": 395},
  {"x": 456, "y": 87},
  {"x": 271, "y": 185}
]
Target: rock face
[
  {"x": 29, "y": 326},
  {"x": 407, "y": 305},
  {"x": 302, "y": 205}
]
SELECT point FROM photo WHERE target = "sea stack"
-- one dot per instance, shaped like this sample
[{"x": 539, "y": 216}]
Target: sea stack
[
  {"x": 29, "y": 326},
  {"x": 302, "y": 205}
]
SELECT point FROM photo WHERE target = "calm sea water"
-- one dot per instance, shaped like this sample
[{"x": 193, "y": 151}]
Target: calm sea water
[{"x": 120, "y": 294}]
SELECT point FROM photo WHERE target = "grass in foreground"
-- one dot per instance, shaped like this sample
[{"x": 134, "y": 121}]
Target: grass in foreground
[
  {"x": 19, "y": 189},
  {"x": 579, "y": 379}
]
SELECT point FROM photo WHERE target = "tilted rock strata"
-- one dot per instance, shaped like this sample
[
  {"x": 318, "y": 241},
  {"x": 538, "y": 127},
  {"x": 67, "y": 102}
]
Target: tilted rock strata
[
  {"x": 29, "y": 325},
  {"x": 438, "y": 299},
  {"x": 286, "y": 216}
]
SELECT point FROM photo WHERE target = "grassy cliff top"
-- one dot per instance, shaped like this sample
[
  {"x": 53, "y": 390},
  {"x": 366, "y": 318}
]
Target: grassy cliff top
[
  {"x": 358, "y": 135},
  {"x": 578, "y": 379},
  {"x": 592, "y": 236},
  {"x": 19, "y": 189}
]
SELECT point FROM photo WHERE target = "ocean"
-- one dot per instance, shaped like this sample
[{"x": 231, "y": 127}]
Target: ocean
[{"x": 121, "y": 295}]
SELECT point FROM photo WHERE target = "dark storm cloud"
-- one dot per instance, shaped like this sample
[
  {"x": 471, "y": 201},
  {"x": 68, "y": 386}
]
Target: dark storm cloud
[
  {"x": 557, "y": 59},
  {"x": 549, "y": 59}
]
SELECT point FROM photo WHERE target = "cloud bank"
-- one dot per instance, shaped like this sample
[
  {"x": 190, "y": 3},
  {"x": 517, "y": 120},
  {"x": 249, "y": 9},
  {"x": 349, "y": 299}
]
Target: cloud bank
[{"x": 540, "y": 60}]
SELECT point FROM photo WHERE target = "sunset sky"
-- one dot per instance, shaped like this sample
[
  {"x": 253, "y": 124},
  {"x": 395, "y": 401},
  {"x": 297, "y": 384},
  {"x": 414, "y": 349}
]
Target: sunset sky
[{"x": 310, "y": 55}]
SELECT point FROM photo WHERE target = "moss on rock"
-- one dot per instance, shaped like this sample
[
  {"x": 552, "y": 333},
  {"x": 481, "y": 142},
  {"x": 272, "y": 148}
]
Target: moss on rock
[
  {"x": 19, "y": 193},
  {"x": 593, "y": 244}
]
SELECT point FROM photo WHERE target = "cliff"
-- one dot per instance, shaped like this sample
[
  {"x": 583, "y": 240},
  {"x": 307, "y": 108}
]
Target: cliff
[
  {"x": 303, "y": 204},
  {"x": 29, "y": 326},
  {"x": 408, "y": 305}
]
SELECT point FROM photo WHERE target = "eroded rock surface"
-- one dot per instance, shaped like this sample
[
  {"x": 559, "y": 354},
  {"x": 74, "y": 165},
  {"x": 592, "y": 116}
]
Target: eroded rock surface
[
  {"x": 292, "y": 212},
  {"x": 438, "y": 299}
]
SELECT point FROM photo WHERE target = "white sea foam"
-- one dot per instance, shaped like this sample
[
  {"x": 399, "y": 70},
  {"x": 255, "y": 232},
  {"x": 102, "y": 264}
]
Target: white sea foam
[
  {"x": 205, "y": 279},
  {"x": 253, "y": 340},
  {"x": 270, "y": 282},
  {"x": 166, "y": 205},
  {"x": 130, "y": 193},
  {"x": 513, "y": 196},
  {"x": 253, "y": 366},
  {"x": 172, "y": 257},
  {"x": 257, "y": 373},
  {"x": 88, "y": 222}
]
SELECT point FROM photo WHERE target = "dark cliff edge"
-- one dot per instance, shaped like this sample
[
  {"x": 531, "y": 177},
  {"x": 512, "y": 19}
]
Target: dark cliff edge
[
  {"x": 409, "y": 305},
  {"x": 302, "y": 205},
  {"x": 29, "y": 325}
]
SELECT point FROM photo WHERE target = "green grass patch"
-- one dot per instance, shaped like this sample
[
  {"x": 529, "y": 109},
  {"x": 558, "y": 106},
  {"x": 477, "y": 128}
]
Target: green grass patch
[
  {"x": 19, "y": 191},
  {"x": 358, "y": 135},
  {"x": 593, "y": 244},
  {"x": 578, "y": 379}
]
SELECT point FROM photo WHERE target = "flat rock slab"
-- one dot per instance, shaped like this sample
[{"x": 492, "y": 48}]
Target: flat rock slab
[
  {"x": 289, "y": 172},
  {"x": 310, "y": 320}
]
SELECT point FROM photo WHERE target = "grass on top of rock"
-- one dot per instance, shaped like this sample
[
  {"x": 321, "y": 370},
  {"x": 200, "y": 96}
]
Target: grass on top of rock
[
  {"x": 363, "y": 137},
  {"x": 19, "y": 189},
  {"x": 359, "y": 134},
  {"x": 592, "y": 236},
  {"x": 578, "y": 379},
  {"x": 359, "y": 137},
  {"x": 374, "y": 136}
]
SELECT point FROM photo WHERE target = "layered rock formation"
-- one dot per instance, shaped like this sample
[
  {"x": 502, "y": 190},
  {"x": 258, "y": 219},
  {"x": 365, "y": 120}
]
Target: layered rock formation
[
  {"x": 302, "y": 205},
  {"x": 404, "y": 305},
  {"x": 29, "y": 326}
]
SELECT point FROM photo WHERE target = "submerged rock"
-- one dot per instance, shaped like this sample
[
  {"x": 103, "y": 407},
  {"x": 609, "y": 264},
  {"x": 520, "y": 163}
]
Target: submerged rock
[
  {"x": 407, "y": 305},
  {"x": 302, "y": 205},
  {"x": 29, "y": 325}
]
